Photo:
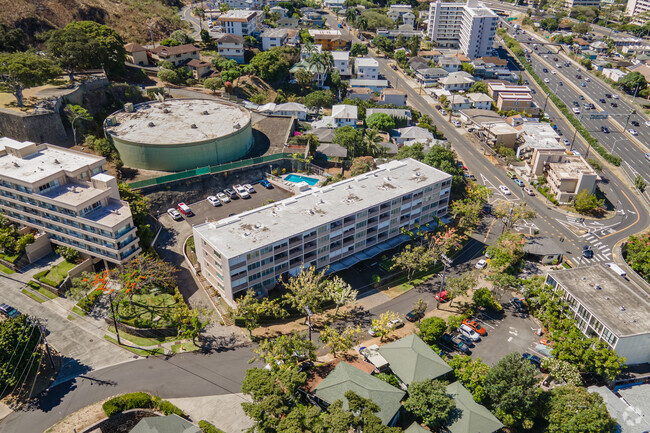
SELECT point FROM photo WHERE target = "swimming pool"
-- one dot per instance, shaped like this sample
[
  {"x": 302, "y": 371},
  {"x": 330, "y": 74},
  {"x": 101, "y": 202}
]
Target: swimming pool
[{"x": 296, "y": 178}]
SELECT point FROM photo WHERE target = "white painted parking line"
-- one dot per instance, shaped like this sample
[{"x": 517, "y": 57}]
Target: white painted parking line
[{"x": 509, "y": 339}]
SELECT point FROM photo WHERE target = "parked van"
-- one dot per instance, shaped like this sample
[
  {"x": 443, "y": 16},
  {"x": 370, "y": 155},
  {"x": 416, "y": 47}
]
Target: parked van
[{"x": 616, "y": 268}]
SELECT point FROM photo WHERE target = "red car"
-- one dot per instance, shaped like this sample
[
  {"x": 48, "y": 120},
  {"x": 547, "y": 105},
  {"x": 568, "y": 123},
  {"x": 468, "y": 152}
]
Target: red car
[
  {"x": 185, "y": 209},
  {"x": 475, "y": 326},
  {"x": 443, "y": 296}
]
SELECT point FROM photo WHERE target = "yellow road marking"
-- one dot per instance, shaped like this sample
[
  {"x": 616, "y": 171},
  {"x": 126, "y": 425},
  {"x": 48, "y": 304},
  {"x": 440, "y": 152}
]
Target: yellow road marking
[
  {"x": 638, "y": 217},
  {"x": 489, "y": 228}
]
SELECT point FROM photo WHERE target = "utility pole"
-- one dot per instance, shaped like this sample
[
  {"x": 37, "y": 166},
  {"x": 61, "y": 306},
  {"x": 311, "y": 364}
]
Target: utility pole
[
  {"x": 446, "y": 261},
  {"x": 47, "y": 346},
  {"x": 117, "y": 331},
  {"x": 575, "y": 133}
]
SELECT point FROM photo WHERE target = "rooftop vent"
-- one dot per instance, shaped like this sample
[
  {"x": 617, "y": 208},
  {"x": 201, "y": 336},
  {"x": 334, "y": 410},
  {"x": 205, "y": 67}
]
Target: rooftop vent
[
  {"x": 166, "y": 111},
  {"x": 236, "y": 126},
  {"x": 205, "y": 113},
  {"x": 151, "y": 124},
  {"x": 193, "y": 126},
  {"x": 16, "y": 164},
  {"x": 622, "y": 308},
  {"x": 258, "y": 226},
  {"x": 417, "y": 174},
  {"x": 598, "y": 287},
  {"x": 56, "y": 161}
]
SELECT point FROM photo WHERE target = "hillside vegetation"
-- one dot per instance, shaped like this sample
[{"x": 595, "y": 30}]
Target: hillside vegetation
[{"x": 130, "y": 18}]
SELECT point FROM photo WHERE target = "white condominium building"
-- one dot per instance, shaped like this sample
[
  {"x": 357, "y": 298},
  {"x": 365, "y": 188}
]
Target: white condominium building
[
  {"x": 239, "y": 22},
  {"x": 469, "y": 26},
  {"x": 639, "y": 10},
  {"x": 336, "y": 225},
  {"x": 67, "y": 195}
]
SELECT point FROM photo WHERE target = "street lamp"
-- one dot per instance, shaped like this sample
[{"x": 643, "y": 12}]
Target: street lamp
[
  {"x": 549, "y": 94},
  {"x": 616, "y": 141}
]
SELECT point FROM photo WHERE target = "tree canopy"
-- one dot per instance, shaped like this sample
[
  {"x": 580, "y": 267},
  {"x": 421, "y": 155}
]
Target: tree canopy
[
  {"x": 19, "y": 71},
  {"x": 19, "y": 340},
  {"x": 270, "y": 65},
  {"x": 633, "y": 82},
  {"x": 428, "y": 400},
  {"x": 380, "y": 121},
  {"x": 572, "y": 409}
]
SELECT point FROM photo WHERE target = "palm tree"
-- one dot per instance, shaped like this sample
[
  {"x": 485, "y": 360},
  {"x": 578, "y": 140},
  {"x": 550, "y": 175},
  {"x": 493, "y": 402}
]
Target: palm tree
[
  {"x": 351, "y": 15},
  {"x": 321, "y": 64},
  {"x": 362, "y": 23},
  {"x": 371, "y": 140}
]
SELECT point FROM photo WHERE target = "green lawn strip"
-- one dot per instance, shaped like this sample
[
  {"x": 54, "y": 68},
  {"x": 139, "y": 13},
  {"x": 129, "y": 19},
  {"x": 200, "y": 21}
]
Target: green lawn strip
[
  {"x": 141, "y": 352},
  {"x": 142, "y": 341},
  {"x": 57, "y": 273},
  {"x": 143, "y": 309},
  {"x": 9, "y": 258},
  {"x": 187, "y": 347},
  {"x": 45, "y": 292},
  {"x": 5, "y": 269},
  {"x": 71, "y": 317},
  {"x": 78, "y": 311},
  {"x": 33, "y": 296}
]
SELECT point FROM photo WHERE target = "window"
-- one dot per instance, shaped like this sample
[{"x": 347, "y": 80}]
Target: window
[{"x": 252, "y": 255}]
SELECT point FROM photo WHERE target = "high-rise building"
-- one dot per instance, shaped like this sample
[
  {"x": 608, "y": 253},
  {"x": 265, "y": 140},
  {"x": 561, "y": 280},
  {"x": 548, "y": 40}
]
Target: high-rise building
[
  {"x": 469, "y": 26},
  {"x": 639, "y": 10},
  {"x": 67, "y": 195},
  {"x": 336, "y": 226}
]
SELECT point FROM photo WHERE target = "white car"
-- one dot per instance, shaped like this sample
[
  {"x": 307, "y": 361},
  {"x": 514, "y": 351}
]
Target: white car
[
  {"x": 576, "y": 153},
  {"x": 456, "y": 123},
  {"x": 566, "y": 142},
  {"x": 241, "y": 191},
  {"x": 176, "y": 215},
  {"x": 633, "y": 131},
  {"x": 576, "y": 110},
  {"x": 249, "y": 188},
  {"x": 481, "y": 264},
  {"x": 546, "y": 80},
  {"x": 393, "y": 324},
  {"x": 469, "y": 333},
  {"x": 529, "y": 191},
  {"x": 615, "y": 96},
  {"x": 647, "y": 123},
  {"x": 213, "y": 201},
  {"x": 553, "y": 72},
  {"x": 504, "y": 189},
  {"x": 223, "y": 198}
]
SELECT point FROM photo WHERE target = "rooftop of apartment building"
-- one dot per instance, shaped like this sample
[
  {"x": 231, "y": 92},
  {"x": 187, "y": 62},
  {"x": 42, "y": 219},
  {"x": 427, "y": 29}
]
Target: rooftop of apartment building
[
  {"x": 540, "y": 136},
  {"x": 172, "y": 51},
  {"x": 500, "y": 86},
  {"x": 324, "y": 32},
  {"x": 28, "y": 162},
  {"x": 516, "y": 96},
  {"x": 620, "y": 304},
  {"x": 237, "y": 14},
  {"x": 366, "y": 62},
  {"x": 571, "y": 167},
  {"x": 266, "y": 225},
  {"x": 274, "y": 33},
  {"x": 341, "y": 55}
]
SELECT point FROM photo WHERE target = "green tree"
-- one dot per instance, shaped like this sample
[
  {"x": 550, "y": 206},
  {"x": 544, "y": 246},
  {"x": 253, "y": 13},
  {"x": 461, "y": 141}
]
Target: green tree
[
  {"x": 306, "y": 291},
  {"x": 572, "y": 409},
  {"x": 413, "y": 259},
  {"x": 506, "y": 252},
  {"x": 459, "y": 286},
  {"x": 362, "y": 164},
  {"x": 380, "y": 121},
  {"x": 595, "y": 165},
  {"x": 76, "y": 114},
  {"x": 169, "y": 76},
  {"x": 339, "y": 342},
  {"x": 415, "y": 151},
  {"x": 358, "y": 50},
  {"x": 428, "y": 401},
  {"x": 431, "y": 329},
  {"x": 382, "y": 326},
  {"x": 251, "y": 309},
  {"x": 375, "y": 20},
  {"x": 319, "y": 99},
  {"x": 285, "y": 351},
  {"x": 454, "y": 322},
  {"x": 270, "y": 65},
  {"x": 587, "y": 203},
  {"x": 471, "y": 373},
  {"x": 581, "y": 28},
  {"x": 420, "y": 307},
  {"x": 139, "y": 206},
  {"x": 304, "y": 78},
  {"x": 511, "y": 392},
  {"x": 640, "y": 183},
  {"x": 469, "y": 68},
  {"x": 351, "y": 139},
  {"x": 444, "y": 158},
  {"x": 205, "y": 36},
  {"x": 479, "y": 87},
  {"x": 19, "y": 341},
  {"x": 549, "y": 24},
  {"x": 638, "y": 254},
  {"x": 633, "y": 82},
  {"x": 12, "y": 39},
  {"x": 483, "y": 298},
  {"x": 188, "y": 321},
  {"x": 20, "y": 71},
  {"x": 365, "y": 418},
  {"x": 73, "y": 49},
  {"x": 562, "y": 372},
  {"x": 181, "y": 37},
  {"x": 513, "y": 214},
  {"x": 68, "y": 253},
  {"x": 213, "y": 84},
  {"x": 340, "y": 292},
  {"x": 384, "y": 44}
]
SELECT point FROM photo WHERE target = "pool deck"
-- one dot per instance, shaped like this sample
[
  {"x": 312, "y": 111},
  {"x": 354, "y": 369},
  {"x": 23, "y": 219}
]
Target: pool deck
[{"x": 301, "y": 178}]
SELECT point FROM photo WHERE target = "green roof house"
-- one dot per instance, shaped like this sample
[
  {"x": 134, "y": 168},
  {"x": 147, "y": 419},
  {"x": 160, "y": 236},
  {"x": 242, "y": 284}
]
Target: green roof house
[
  {"x": 165, "y": 424},
  {"x": 412, "y": 360},
  {"x": 348, "y": 378},
  {"x": 473, "y": 418},
  {"x": 416, "y": 428}
]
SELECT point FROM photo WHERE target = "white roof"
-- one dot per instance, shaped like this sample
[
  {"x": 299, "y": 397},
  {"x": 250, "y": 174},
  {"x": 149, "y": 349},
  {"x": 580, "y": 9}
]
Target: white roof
[
  {"x": 479, "y": 97},
  {"x": 291, "y": 106},
  {"x": 275, "y": 222},
  {"x": 414, "y": 132},
  {"x": 274, "y": 33},
  {"x": 366, "y": 62},
  {"x": 341, "y": 55},
  {"x": 343, "y": 111},
  {"x": 325, "y": 122}
]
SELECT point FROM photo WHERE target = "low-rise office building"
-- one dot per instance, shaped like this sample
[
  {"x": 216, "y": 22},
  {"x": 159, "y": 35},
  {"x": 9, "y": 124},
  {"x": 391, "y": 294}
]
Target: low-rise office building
[
  {"x": 569, "y": 176},
  {"x": 67, "y": 195},
  {"x": 336, "y": 226},
  {"x": 496, "y": 87},
  {"x": 520, "y": 102},
  {"x": 608, "y": 307}
]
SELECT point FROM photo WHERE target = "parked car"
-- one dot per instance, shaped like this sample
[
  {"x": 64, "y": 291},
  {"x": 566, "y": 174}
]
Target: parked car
[
  {"x": 214, "y": 201},
  {"x": 185, "y": 209},
  {"x": 9, "y": 311},
  {"x": 576, "y": 153},
  {"x": 535, "y": 360},
  {"x": 305, "y": 365},
  {"x": 223, "y": 197},
  {"x": 469, "y": 332},
  {"x": 511, "y": 175},
  {"x": 241, "y": 191},
  {"x": 504, "y": 189},
  {"x": 466, "y": 340},
  {"x": 481, "y": 264},
  {"x": 566, "y": 142},
  {"x": 518, "y": 304},
  {"x": 475, "y": 326},
  {"x": 455, "y": 343},
  {"x": 266, "y": 184},
  {"x": 393, "y": 324},
  {"x": 546, "y": 342},
  {"x": 249, "y": 188},
  {"x": 519, "y": 182},
  {"x": 456, "y": 123},
  {"x": 633, "y": 131},
  {"x": 529, "y": 191},
  {"x": 414, "y": 315},
  {"x": 231, "y": 193},
  {"x": 442, "y": 297},
  {"x": 176, "y": 215}
]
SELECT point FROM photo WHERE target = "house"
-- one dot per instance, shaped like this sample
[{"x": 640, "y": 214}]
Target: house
[
  {"x": 279, "y": 10},
  {"x": 398, "y": 11},
  {"x": 480, "y": 101},
  {"x": 293, "y": 38},
  {"x": 332, "y": 151},
  {"x": 178, "y": 55},
  {"x": 199, "y": 68},
  {"x": 624, "y": 402},
  {"x": 642, "y": 69},
  {"x": 325, "y": 122},
  {"x": 569, "y": 176},
  {"x": 306, "y": 51},
  {"x": 346, "y": 378},
  {"x": 403, "y": 30},
  {"x": 598, "y": 46},
  {"x": 294, "y": 109},
  {"x": 393, "y": 96},
  {"x": 473, "y": 417},
  {"x": 401, "y": 116},
  {"x": 342, "y": 62},
  {"x": 312, "y": 19},
  {"x": 613, "y": 74},
  {"x": 433, "y": 55},
  {"x": 450, "y": 63},
  {"x": 456, "y": 81},
  {"x": 273, "y": 38},
  {"x": 429, "y": 76},
  {"x": 331, "y": 40},
  {"x": 375, "y": 85},
  {"x": 589, "y": 54},
  {"x": 606, "y": 306},
  {"x": 544, "y": 250},
  {"x": 409, "y": 20},
  {"x": 231, "y": 46},
  {"x": 136, "y": 54},
  {"x": 334, "y": 4},
  {"x": 411, "y": 133},
  {"x": 345, "y": 115},
  {"x": 318, "y": 71},
  {"x": 288, "y": 23},
  {"x": 412, "y": 360},
  {"x": 366, "y": 68},
  {"x": 418, "y": 62},
  {"x": 239, "y": 22},
  {"x": 363, "y": 93},
  {"x": 459, "y": 102},
  {"x": 244, "y": 4},
  {"x": 165, "y": 424}
]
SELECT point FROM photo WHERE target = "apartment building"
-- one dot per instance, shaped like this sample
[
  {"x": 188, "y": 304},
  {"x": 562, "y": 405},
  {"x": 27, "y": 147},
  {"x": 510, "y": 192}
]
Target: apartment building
[
  {"x": 520, "y": 102},
  {"x": 239, "y": 22},
  {"x": 568, "y": 4},
  {"x": 469, "y": 26},
  {"x": 336, "y": 226},
  {"x": 608, "y": 307},
  {"x": 178, "y": 55},
  {"x": 331, "y": 40},
  {"x": 570, "y": 176},
  {"x": 67, "y": 195},
  {"x": 342, "y": 62},
  {"x": 244, "y": 4},
  {"x": 366, "y": 68},
  {"x": 273, "y": 38},
  {"x": 231, "y": 46},
  {"x": 494, "y": 88}
]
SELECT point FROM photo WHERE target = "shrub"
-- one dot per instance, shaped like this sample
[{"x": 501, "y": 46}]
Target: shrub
[
  {"x": 207, "y": 427},
  {"x": 168, "y": 409},
  {"x": 388, "y": 378},
  {"x": 34, "y": 285},
  {"x": 68, "y": 253},
  {"x": 88, "y": 302},
  {"x": 134, "y": 400},
  {"x": 41, "y": 274}
]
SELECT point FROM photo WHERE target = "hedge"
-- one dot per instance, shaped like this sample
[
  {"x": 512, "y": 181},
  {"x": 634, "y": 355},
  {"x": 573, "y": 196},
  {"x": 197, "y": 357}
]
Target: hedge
[
  {"x": 41, "y": 274},
  {"x": 88, "y": 302},
  {"x": 34, "y": 285},
  {"x": 207, "y": 427},
  {"x": 140, "y": 400},
  {"x": 512, "y": 44}
]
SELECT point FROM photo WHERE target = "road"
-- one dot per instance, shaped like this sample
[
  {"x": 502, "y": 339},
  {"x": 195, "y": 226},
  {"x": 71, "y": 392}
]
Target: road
[{"x": 194, "y": 22}]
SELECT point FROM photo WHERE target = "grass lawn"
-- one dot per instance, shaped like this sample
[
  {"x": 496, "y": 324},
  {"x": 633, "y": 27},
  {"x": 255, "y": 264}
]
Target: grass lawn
[
  {"x": 71, "y": 317},
  {"x": 143, "y": 309},
  {"x": 187, "y": 347},
  {"x": 10, "y": 259},
  {"x": 154, "y": 352},
  {"x": 5, "y": 269},
  {"x": 41, "y": 290},
  {"x": 33, "y": 296},
  {"x": 78, "y": 311},
  {"x": 57, "y": 273},
  {"x": 142, "y": 341}
]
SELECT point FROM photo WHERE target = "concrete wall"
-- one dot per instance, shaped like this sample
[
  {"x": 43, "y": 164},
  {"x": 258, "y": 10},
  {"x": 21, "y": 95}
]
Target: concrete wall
[
  {"x": 39, "y": 128},
  {"x": 143, "y": 332},
  {"x": 40, "y": 248}
]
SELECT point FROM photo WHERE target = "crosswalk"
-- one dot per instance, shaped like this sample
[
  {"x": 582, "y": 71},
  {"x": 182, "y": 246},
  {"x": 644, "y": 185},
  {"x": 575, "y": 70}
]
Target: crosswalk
[{"x": 602, "y": 252}]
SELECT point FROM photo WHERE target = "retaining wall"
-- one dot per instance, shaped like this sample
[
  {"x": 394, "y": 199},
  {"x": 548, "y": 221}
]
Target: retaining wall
[{"x": 143, "y": 332}]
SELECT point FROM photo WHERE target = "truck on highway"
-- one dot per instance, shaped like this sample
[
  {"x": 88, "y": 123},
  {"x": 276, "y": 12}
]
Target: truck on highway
[{"x": 616, "y": 268}]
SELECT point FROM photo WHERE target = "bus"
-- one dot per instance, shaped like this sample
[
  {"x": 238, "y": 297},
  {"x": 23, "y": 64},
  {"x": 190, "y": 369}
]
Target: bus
[{"x": 616, "y": 268}]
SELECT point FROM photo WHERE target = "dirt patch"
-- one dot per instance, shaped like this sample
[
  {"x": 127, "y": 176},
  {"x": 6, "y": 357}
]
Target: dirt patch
[{"x": 80, "y": 419}]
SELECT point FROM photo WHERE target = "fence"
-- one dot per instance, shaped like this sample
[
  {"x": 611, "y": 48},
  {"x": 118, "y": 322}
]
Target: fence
[{"x": 209, "y": 170}]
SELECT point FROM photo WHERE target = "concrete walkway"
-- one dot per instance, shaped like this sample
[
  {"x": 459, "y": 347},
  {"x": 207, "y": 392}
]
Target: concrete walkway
[{"x": 224, "y": 411}]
